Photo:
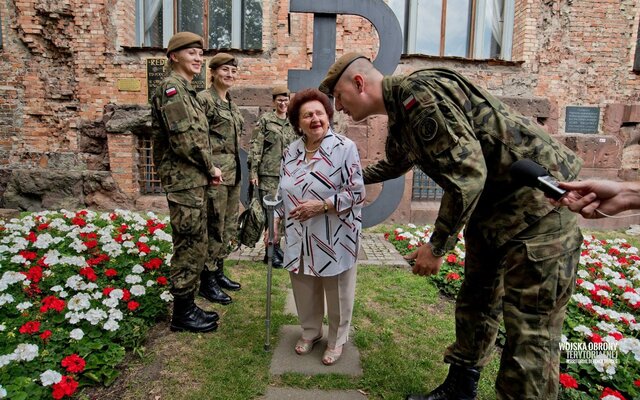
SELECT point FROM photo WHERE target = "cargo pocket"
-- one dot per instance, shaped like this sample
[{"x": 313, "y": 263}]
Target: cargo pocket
[
  {"x": 544, "y": 278},
  {"x": 187, "y": 211}
]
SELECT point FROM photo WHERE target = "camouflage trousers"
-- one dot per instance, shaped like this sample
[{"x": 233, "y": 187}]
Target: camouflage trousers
[
  {"x": 529, "y": 280},
  {"x": 269, "y": 185},
  {"x": 187, "y": 211},
  {"x": 222, "y": 221}
]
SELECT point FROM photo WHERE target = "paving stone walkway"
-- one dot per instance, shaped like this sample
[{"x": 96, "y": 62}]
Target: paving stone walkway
[{"x": 375, "y": 250}]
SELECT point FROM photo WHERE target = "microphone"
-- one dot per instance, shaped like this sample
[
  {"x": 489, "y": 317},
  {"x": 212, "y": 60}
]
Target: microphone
[{"x": 530, "y": 173}]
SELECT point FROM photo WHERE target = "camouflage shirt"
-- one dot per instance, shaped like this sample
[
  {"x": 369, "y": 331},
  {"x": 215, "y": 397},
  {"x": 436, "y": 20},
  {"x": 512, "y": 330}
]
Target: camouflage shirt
[
  {"x": 225, "y": 127},
  {"x": 181, "y": 150},
  {"x": 270, "y": 137},
  {"x": 465, "y": 139}
]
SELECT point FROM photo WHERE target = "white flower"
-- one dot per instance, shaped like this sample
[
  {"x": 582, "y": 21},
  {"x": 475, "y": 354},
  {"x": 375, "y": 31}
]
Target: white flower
[
  {"x": 581, "y": 299},
  {"x": 116, "y": 294},
  {"x": 26, "y": 352},
  {"x": 610, "y": 397},
  {"x": 74, "y": 317},
  {"x": 607, "y": 327},
  {"x": 116, "y": 314},
  {"x": 605, "y": 364},
  {"x": 583, "y": 329},
  {"x": 588, "y": 285},
  {"x": 50, "y": 377},
  {"x": 111, "y": 325},
  {"x": 76, "y": 334},
  {"x": 3, "y": 392},
  {"x": 137, "y": 269},
  {"x": 583, "y": 274},
  {"x": 166, "y": 296},
  {"x": 94, "y": 316},
  {"x": 150, "y": 283},
  {"x": 6, "y": 359},
  {"x": 110, "y": 302},
  {"x": 563, "y": 339},
  {"x": 138, "y": 290},
  {"x": 80, "y": 301},
  {"x": 133, "y": 279},
  {"x": 5, "y": 299},
  {"x": 25, "y": 305},
  {"x": 57, "y": 288}
]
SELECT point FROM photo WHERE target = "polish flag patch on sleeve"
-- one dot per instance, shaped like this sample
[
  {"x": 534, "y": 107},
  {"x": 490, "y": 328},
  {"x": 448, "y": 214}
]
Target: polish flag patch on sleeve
[
  {"x": 171, "y": 91},
  {"x": 409, "y": 102}
]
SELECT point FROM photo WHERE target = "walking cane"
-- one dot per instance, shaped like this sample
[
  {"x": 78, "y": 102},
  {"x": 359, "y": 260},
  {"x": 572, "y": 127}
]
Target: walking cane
[{"x": 270, "y": 203}]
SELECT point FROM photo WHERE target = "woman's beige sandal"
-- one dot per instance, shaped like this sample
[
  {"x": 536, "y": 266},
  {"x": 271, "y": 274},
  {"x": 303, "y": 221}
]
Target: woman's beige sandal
[
  {"x": 331, "y": 356},
  {"x": 305, "y": 346}
]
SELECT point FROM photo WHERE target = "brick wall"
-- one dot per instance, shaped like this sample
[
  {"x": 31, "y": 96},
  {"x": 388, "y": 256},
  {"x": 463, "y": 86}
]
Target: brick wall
[{"x": 62, "y": 62}]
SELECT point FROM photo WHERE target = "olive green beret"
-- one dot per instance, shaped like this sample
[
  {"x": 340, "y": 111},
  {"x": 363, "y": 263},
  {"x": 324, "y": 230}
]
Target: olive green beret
[
  {"x": 184, "y": 40},
  {"x": 280, "y": 90},
  {"x": 222, "y": 59},
  {"x": 336, "y": 70}
]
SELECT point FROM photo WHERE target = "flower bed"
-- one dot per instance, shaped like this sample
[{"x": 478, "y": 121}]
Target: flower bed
[
  {"x": 77, "y": 289},
  {"x": 600, "y": 349}
]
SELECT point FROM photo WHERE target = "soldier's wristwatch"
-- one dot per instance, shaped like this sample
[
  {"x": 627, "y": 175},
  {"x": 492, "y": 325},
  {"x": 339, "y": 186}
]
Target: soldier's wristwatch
[
  {"x": 325, "y": 206},
  {"x": 437, "y": 252}
]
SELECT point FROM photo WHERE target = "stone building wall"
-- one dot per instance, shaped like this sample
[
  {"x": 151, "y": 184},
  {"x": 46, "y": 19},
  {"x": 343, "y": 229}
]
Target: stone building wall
[{"x": 65, "y": 109}]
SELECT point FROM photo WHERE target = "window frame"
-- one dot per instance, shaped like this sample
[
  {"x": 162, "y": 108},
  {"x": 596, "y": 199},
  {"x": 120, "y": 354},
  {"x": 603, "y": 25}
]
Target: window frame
[
  {"x": 170, "y": 23},
  {"x": 410, "y": 28}
]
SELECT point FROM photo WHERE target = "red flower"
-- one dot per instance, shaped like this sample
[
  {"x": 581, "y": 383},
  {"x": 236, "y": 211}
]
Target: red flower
[
  {"x": 111, "y": 272},
  {"x": 107, "y": 290},
  {"x": 132, "y": 305},
  {"x": 98, "y": 259},
  {"x": 31, "y": 237},
  {"x": 568, "y": 381},
  {"x": 143, "y": 248},
  {"x": 162, "y": 280},
  {"x": 30, "y": 328},
  {"x": 610, "y": 392},
  {"x": 43, "y": 226},
  {"x": 89, "y": 273},
  {"x": 126, "y": 294},
  {"x": 52, "y": 303},
  {"x": 91, "y": 244},
  {"x": 452, "y": 276},
  {"x": 34, "y": 274},
  {"x": 154, "y": 263},
  {"x": 123, "y": 228},
  {"x": 451, "y": 258},
  {"x": 45, "y": 335},
  {"x": 613, "y": 251},
  {"x": 637, "y": 382},
  {"x": 78, "y": 221},
  {"x": 29, "y": 255},
  {"x": 595, "y": 338},
  {"x": 386, "y": 236},
  {"x": 66, "y": 387},
  {"x": 616, "y": 335},
  {"x": 113, "y": 216},
  {"x": 73, "y": 363}
]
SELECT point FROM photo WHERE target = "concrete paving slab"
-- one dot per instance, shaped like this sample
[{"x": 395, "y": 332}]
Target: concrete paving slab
[
  {"x": 286, "y": 360},
  {"x": 274, "y": 393}
]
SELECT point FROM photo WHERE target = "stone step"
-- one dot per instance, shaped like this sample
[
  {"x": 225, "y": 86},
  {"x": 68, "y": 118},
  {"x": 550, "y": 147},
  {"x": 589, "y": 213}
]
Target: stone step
[
  {"x": 275, "y": 393},
  {"x": 285, "y": 359}
]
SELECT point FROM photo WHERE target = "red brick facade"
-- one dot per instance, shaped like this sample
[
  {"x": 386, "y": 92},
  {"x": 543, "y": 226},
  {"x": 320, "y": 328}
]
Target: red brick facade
[{"x": 63, "y": 61}]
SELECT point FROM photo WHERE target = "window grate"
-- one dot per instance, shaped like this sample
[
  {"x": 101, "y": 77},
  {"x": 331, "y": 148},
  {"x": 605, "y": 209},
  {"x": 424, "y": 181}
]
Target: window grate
[
  {"x": 149, "y": 181},
  {"x": 424, "y": 188}
]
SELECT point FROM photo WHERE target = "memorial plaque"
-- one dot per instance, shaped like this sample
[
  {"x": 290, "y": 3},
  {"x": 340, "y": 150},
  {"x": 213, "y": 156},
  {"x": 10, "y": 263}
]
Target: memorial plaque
[
  {"x": 129, "y": 85},
  {"x": 157, "y": 71},
  {"x": 582, "y": 119}
]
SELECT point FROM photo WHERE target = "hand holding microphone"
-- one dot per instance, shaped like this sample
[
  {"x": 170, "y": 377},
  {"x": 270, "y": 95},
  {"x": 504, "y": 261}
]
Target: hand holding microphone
[{"x": 532, "y": 174}]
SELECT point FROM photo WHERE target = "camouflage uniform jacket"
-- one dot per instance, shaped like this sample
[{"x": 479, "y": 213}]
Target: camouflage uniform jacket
[
  {"x": 181, "y": 150},
  {"x": 465, "y": 139},
  {"x": 225, "y": 127},
  {"x": 270, "y": 137}
]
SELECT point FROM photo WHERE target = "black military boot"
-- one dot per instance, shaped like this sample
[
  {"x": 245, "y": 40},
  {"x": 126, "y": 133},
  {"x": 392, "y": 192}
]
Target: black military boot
[
  {"x": 278, "y": 256},
  {"x": 210, "y": 290},
  {"x": 223, "y": 281},
  {"x": 187, "y": 316},
  {"x": 461, "y": 384}
]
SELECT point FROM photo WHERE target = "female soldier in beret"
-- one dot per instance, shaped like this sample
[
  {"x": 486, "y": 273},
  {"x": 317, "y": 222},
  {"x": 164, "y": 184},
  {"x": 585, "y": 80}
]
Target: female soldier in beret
[
  {"x": 182, "y": 156},
  {"x": 225, "y": 126}
]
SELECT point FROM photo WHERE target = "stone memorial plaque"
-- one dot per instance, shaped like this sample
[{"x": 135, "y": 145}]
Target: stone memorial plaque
[
  {"x": 582, "y": 119},
  {"x": 129, "y": 85},
  {"x": 157, "y": 71}
]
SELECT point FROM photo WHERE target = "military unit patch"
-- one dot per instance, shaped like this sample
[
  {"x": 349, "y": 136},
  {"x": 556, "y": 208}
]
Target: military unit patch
[{"x": 170, "y": 92}]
